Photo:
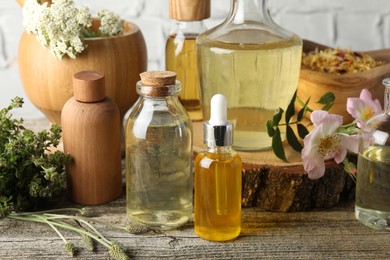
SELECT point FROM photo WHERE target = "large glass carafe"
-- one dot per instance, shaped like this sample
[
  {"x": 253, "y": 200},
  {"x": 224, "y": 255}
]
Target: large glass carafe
[
  {"x": 373, "y": 171},
  {"x": 255, "y": 64}
]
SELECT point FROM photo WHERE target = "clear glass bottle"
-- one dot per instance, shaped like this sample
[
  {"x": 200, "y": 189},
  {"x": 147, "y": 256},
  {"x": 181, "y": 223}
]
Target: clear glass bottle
[
  {"x": 180, "y": 50},
  {"x": 372, "y": 206},
  {"x": 159, "y": 154},
  {"x": 255, "y": 64},
  {"x": 218, "y": 178}
]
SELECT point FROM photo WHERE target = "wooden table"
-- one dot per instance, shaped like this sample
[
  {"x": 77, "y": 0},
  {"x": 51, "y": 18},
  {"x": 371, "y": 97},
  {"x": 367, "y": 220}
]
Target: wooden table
[
  {"x": 325, "y": 234},
  {"x": 320, "y": 234}
]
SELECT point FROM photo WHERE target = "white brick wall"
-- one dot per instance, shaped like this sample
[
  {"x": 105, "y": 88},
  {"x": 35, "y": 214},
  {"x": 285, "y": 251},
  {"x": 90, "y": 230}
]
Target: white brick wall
[{"x": 359, "y": 24}]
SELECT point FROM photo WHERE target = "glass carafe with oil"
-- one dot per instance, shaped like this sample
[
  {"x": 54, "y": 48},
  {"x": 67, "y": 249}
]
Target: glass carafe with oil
[
  {"x": 372, "y": 206},
  {"x": 255, "y": 64},
  {"x": 180, "y": 49}
]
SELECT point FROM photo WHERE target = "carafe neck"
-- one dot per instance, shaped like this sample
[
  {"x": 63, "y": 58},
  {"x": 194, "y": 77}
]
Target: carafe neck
[{"x": 244, "y": 11}]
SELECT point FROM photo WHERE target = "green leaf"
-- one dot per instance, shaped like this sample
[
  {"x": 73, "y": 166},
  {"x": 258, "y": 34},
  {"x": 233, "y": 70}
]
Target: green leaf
[
  {"x": 270, "y": 128},
  {"x": 277, "y": 116},
  {"x": 300, "y": 114},
  {"x": 290, "y": 108},
  {"x": 302, "y": 131},
  {"x": 277, "y": 145},
  {"x": 327, "y": 98},
  {"x": 303, "y": 111},
  {"x": 292, "y": 139},
  {"x": 327, "y": 106}
]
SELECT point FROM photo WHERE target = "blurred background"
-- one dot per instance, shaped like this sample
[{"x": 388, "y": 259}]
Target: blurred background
[{"x": 358, "y": 24}]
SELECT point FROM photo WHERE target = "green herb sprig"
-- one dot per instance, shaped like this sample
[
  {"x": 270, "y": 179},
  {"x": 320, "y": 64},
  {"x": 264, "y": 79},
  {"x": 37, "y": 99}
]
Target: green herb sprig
[
  {"x": 273, "y": 125},
  {"x": 85, "y": 228},
  {"x": 29, "y": 173}
]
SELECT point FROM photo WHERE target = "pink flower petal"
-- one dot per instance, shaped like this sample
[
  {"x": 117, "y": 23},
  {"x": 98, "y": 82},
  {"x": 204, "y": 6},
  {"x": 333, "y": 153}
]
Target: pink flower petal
[
  {"x": 340, "y": 155},
  {"x": 320, "y": 116},
  {"x": 315, "y": 168},
  {"x": 355, "y": 107},
  {"x": 350, "y": 142},
  {"x": 363, "y": 108}
]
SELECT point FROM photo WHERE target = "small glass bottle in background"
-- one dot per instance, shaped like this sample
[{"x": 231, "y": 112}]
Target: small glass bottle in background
[
  {"x": 372, "y": 207},
  {"x": 218, "y": 178},
  {"x": 181, "y": 49},
  {"x": 159, "y": 176}
]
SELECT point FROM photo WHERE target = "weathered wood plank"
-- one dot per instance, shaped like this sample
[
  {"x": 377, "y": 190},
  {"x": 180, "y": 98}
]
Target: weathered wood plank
[{"x": 301, "y": 235}]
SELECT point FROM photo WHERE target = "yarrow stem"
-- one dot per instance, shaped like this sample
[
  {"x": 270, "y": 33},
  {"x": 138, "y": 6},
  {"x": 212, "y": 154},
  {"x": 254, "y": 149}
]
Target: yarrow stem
[
  {"x": 52, "y": 210},
  {"x": 61, "y": 224},
  {"x": 55, "y": 221},
  {"x": 53, "y": 227}
]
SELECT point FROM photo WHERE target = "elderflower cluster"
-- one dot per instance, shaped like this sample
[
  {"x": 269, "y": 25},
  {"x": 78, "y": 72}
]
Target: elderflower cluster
[
  {"x": 61, "y": 27},
  {"x": 111, "y": 23},
  {"x": 58, "y": 27}
]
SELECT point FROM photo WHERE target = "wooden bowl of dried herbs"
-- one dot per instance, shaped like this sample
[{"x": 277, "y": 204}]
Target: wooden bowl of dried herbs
[{"x": 343, "y": 72}]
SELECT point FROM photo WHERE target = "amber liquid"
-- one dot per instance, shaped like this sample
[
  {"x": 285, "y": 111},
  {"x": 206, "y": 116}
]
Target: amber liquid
[
  {"x": 181, "y": 58},
  {"x": 217, "y": 205}
]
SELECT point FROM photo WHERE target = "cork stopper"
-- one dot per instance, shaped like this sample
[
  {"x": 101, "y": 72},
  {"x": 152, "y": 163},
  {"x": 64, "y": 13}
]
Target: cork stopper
[
  {"x": 158, "y": 78},
  {"x": 88, "y": 86},
  {"x": 189, "y": 10},
  {"x": 158, "y": 83}
]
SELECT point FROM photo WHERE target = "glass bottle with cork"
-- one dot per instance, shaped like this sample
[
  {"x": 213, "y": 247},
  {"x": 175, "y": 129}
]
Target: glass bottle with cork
[
  {"x": 181, "y": 49},
  {"x": 159, "y": 182},
  {"x": 218, "y": 178},
  {"x": 255, "y": 64},
  {"x": 372, "y": 206}
]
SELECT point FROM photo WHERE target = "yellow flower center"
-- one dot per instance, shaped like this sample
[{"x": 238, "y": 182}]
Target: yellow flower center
[
  {"x": 329, "y": 145},
  {"x": 368, "y": 113}
]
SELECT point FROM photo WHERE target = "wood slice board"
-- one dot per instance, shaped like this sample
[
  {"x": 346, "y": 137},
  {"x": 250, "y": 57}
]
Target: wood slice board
[{"x": 274, "y": 185}]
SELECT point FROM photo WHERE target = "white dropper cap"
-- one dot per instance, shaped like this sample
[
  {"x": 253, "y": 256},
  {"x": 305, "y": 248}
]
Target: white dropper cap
[
  {"x": 218, "y": 110},
  {"x": 218, "y": 131}
]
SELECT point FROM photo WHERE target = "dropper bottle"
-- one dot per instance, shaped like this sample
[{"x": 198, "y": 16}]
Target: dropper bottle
[{"x": 218, "y": 177}]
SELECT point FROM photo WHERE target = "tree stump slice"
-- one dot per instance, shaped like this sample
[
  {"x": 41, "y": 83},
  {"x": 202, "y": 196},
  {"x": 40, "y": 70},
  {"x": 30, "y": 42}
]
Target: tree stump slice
[{"x": 274, "y": 185}]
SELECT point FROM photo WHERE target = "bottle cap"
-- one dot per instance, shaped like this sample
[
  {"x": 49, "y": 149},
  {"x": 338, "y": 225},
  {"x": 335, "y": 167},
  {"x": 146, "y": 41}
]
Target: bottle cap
[
  {"x": 88, "y": 86},
  {"x": 218, "y": 131},
  {"x": 158, "y": 78},
  {"x": 158, "y": 83},
  {"x": 189, "y": 10},
  {"x": 380, "y": 137}
]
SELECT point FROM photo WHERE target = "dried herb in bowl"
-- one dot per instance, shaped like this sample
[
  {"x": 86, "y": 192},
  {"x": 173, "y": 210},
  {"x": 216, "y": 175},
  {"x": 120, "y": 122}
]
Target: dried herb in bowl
[{"x": 339, "y": 61}]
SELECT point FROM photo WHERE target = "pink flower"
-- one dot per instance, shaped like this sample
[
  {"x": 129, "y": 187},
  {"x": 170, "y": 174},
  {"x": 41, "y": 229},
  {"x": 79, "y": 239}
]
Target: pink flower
[
  {"x": 363, "y": 108},
  {"x": 324, "y": 143}
]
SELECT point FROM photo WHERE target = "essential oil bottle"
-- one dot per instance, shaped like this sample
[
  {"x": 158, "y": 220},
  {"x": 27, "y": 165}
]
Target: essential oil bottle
[
  {"x": 159, "y": 179},
  {"x": 372, "y": 204},
  {"x": 218, "y": 177},
  {"x": 181, "y": 49}
]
